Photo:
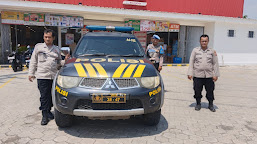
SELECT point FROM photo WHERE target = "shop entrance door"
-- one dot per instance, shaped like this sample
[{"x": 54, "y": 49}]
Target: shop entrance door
[{"x": 193, "y": 34}]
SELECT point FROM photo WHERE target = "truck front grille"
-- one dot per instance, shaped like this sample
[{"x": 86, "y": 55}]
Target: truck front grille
[
  {"x": 130, "y": 104},
  {"x": 126, "y": 83},
  {"x": 93, "y": 82}
]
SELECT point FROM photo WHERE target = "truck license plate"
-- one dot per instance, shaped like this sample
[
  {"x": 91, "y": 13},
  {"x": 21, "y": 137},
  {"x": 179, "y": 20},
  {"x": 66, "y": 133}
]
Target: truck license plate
[{"x": 109, "y": 98}]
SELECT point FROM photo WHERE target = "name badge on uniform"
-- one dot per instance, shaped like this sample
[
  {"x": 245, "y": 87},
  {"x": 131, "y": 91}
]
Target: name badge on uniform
[{"x": 151, "y": 51}]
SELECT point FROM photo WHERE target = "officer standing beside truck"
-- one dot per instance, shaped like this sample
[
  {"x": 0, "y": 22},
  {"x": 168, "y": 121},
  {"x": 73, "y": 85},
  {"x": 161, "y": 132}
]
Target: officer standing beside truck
[
  {"x": 155, "y": 52},
  {"x": 44, "y": 64},
  {"x": 204, "y": 70}
]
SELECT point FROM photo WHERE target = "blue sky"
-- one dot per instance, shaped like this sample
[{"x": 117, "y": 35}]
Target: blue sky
[{"x": 250, "y": 8}]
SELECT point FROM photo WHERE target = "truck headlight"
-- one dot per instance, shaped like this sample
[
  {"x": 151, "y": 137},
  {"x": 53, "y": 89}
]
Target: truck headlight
[
  {"x": 149, "y": 82},
  {"x": 68, "y": 81}
]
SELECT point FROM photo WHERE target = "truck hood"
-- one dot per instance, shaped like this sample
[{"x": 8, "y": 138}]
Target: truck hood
[{"x": 118, "y": 67}]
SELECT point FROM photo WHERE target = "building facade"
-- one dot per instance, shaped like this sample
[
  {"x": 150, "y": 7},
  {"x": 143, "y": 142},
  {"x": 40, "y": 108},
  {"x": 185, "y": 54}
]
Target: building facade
[{"x": 179, "y": 22}]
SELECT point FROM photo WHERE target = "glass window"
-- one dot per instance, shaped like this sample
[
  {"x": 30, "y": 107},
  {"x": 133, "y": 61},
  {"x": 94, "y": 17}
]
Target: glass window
[
  {"x": 231, "y": 33},
  {"x": 251, "y": 34}
]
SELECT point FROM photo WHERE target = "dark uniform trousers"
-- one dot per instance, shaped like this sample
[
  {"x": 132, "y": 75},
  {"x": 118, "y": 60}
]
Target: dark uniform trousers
[
  {"x": 45, "y": 86},
  {"x": 209, "y": 87},
  {"x": 156, "y": 65}
]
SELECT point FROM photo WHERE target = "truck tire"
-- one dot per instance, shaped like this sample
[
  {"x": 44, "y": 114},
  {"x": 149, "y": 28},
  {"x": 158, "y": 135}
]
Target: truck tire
[
  {"x": 152, "y": 119},
  {"x": 62, "y": 120}
]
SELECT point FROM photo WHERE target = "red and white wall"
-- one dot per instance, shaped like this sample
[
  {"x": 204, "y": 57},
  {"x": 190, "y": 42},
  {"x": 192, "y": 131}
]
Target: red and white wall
[
  {"x": 231, "y": 50},
  {"x": 227, "y": 8}
]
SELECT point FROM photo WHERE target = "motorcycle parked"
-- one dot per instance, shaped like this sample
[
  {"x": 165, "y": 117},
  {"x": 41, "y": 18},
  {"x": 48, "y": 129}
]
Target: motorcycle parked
[{"x": 15, "y": 61}]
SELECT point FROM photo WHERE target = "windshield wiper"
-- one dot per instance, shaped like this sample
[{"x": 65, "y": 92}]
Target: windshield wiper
[
  {"x": 132, "y": 55},
  {"x": 109, "y": 55},
  {"x": 96, "y": 54}
]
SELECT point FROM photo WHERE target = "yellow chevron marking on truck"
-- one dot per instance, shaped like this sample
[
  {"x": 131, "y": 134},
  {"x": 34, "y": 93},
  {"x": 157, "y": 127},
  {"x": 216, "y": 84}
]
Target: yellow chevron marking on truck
[
  {"x": 119, "y": 70},
  {"x": 129, "y": 70},
  {"x": 100, "y": 69},
  {"x": 90, "y": 70},
  {"x": 139, "y": 71},
  {"x": 80, "y": 70}
]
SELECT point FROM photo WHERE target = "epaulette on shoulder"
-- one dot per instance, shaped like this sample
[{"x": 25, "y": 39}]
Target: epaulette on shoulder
[{"x": 38, "y": 44}]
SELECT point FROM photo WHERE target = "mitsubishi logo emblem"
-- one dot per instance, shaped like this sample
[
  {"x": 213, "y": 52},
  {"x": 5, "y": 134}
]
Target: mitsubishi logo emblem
[{"x": 110, "y": 85}]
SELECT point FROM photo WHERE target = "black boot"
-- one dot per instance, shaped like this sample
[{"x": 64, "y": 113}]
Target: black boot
[
  {"x": 211, "y": 107},
  {"x": 44, "y": 118},
  {"x": 198, "y": 104},
  {"x": 50, "y": 115}
]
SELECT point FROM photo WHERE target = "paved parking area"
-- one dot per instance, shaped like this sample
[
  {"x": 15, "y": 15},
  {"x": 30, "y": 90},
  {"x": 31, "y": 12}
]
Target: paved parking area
[{"x": 235, "y": 121}]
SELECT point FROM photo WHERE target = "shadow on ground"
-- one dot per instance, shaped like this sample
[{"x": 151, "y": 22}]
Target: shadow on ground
[
  {"x": 109, "y": 129},
  {"x": 13, "y": 74},
  {"x": 203, "y": 105}
]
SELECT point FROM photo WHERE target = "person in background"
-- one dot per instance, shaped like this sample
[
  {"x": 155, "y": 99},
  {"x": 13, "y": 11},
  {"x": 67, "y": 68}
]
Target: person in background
[
  {"x": 44, "y": 64},
  {"x": 204, "y": 70},
  {"x": 155, "y": 52}
]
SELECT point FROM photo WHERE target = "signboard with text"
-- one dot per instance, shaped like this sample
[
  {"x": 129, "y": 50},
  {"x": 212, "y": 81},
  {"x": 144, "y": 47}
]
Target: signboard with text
[
  {"x": 145, "y": 25},
  {"x": 64, "y": 21},
  {"x": 158, "y": 26},
  {"x": 133, "y": 23},
  {"x": 34, "y": 19},
  {"x": 174, "y": 27},
  {"x": 135, "y": 3},
  {"x": 39, "y": 19},
  {"x": 162, "y": 26},
  {"x": 12, "y": 17}
]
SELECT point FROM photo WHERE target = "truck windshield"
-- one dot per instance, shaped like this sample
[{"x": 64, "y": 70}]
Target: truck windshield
[{"x": 112, "y": 46}]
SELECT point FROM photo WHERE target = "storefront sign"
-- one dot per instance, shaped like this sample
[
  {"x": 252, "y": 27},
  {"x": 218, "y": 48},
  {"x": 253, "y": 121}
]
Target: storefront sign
[
  {"x": 162, "y": 26},
  {"x": 12, "y": 17},
  {"x": 136, "y": 25},
  {"x": 174, "y": 28},
  {"x": 135, "y": 3},
  {"x": 152, "y": 25},
  {"x": 65, "y": 21},
  {"x": 128, "y": 23},
  {"x": 69, "y": 39},
  {"x": 20, "y": 18},
  {"x": 145, "y": 25},
  {"x": 133, "y": 23},
  {"x": 141, "y": 36},
  {"x": 34, "y": 19}
]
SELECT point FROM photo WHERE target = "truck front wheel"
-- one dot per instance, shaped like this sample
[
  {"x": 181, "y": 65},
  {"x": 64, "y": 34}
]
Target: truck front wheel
[
  {"x": 152, "y": 119},
  {"x": 62, "y": 120}
]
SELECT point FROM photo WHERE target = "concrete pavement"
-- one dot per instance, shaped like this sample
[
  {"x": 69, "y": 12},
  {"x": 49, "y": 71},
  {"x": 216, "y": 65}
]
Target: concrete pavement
[{"x": 235, "y": 121}]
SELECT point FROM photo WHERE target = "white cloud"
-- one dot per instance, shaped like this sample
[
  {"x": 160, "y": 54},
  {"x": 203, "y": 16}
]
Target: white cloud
[{"x": 250, "y": 8}]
